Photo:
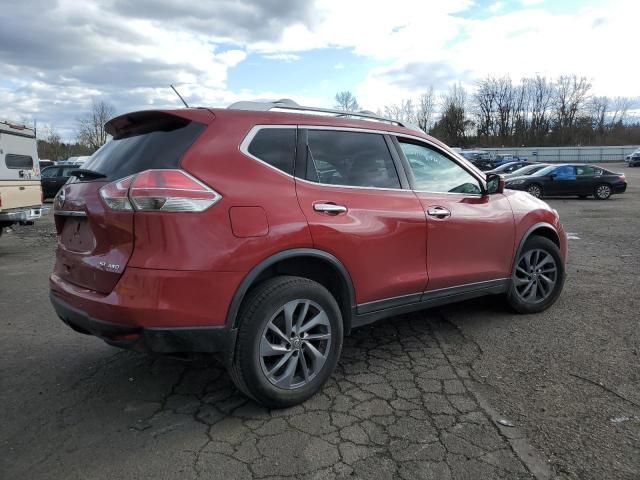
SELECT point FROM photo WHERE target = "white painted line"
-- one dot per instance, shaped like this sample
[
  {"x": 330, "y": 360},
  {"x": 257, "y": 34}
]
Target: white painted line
[{"x": 572, "y": 236}]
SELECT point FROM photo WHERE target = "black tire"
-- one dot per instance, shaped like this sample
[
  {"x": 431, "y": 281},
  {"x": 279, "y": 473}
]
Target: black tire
[
  {"x": 535, "y": 190},
  {"x": 602, "y": 191},
  {"x": 258, "y": 309},
  {"x": 515, "y": 299}
]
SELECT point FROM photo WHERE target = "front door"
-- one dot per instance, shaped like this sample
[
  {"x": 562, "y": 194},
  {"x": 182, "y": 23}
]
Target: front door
[
  {"x": 470, "y": 235},
  {"x": 358, "y": 210},
  {"x": 562, "y": 181}
]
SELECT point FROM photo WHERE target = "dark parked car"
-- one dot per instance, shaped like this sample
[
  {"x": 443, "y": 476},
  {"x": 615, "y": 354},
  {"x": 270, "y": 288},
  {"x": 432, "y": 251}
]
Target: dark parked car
[
  {"x": 634, "y": 159},
  {"x": 479, "y": 158},
  {"x": 570, "y": 180},
  {"x": 510, "y": 167},
  {"x": 53, "y": 178},
  {"x": 267, "y": 236}
]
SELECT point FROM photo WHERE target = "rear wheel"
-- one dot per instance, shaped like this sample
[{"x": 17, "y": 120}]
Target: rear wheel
[
  {"x": 289, "y": 341},
  {"x": 538, "y": 276},
  {"x": 535, "y": 190},
  {"x": 602, "y": 191}
]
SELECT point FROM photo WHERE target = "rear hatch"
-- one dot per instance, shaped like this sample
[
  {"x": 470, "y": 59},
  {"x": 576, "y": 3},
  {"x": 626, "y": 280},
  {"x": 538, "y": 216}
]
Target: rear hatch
[{"x": 95, "y": 241}]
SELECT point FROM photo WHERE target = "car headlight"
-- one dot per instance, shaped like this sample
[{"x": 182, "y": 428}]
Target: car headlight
[{"x": 516, "y": 182}]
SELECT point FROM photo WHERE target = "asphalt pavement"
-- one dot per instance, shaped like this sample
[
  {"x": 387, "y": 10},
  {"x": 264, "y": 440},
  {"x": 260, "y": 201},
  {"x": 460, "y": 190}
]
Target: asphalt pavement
[{"x": 466, "y": 391}]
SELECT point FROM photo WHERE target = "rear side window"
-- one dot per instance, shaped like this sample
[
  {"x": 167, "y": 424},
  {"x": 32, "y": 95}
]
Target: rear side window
[
  {"x": 275, "y": 146},
  {"x": 50, "y": 172},
  {"x": 66, "y": 171},
  {"x": 18, "y": 162},
  {"x": 351, "y": 159},
  {"x": 154, "y": 147},
  {"x": 585, "y": 171}
]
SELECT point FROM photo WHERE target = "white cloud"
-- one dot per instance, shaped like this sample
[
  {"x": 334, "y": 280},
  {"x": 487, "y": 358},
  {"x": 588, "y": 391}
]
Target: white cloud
[{"x": 285, "y": 57}]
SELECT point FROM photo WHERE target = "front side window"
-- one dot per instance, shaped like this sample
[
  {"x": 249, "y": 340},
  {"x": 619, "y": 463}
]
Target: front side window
[
  {"x": 566, "y": 172},
  {"x": 351, "y": 159},
  {"x": 275, "y": 146},
  {"x": 433, "y": 172},
  {"x": 18, "y": 162}
]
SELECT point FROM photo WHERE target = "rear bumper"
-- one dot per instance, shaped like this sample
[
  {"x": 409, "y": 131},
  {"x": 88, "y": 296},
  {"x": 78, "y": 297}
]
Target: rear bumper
[
  {"x": 157, "y": 340},
  {"x": 25, "y": 214},
  {"x": 620, "y": 188}
]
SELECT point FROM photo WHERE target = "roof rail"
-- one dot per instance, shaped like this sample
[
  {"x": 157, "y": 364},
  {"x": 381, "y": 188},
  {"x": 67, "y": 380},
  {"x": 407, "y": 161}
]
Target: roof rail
[{"x": 289, "y": 105}]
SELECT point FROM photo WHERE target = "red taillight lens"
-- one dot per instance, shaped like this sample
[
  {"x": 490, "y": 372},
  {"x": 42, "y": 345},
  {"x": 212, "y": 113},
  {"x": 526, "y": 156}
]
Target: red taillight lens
[{"x": 159, "y": 190}]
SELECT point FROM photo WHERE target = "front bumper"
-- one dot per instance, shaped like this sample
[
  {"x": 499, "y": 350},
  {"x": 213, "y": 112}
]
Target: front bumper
[
  {"x": 169, "y": 340},
  {"x": 24, "y": 214}
]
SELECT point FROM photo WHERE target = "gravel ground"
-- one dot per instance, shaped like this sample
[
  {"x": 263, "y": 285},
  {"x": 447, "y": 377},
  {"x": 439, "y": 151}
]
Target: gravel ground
[{"x": 416, "y": 396}]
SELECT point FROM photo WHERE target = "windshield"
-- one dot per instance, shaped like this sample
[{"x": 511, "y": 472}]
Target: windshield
[{"x": 545, "y": 171}]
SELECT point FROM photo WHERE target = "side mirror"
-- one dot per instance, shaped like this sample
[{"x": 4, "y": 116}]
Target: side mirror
[{"x": 495, "y": 183}]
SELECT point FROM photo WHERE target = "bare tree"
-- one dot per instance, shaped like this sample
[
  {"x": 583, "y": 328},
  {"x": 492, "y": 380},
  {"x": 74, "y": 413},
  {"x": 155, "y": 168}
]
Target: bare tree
[
  {"x": 598, "y": 108},
  {"x": 91, "y": 132},
  {"x": 402, "y": 112},
  {"x": 346, "y": 101},
  {"x": 454, "y": 123},
  {"x": 425, "y": 110},
  {"x": 540, "y": 93},
  {"x": 621, "y": 106},
  {"x": 571, "y": 95}
]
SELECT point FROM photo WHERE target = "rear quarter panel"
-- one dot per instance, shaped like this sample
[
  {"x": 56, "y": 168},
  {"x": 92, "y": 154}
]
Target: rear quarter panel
[{"x": 205, "y": 241}]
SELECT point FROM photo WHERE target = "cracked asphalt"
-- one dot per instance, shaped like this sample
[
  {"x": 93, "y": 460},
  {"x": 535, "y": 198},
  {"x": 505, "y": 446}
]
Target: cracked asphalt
[{"x": 414, "y": 397}]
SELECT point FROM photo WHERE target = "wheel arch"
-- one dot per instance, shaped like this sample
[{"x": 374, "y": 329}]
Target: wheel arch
[
  {"x": 541, "y": 229},
  {"x": 310, "y": 263}
]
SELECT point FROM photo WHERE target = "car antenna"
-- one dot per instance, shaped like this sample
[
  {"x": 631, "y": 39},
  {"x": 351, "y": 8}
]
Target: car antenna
[{"x": 180, "y": 96}]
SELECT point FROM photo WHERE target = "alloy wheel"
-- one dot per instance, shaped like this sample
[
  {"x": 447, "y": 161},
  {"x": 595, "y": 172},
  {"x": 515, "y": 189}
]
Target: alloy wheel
[
  {"x": 535, "y": 276},
  {"x": 603, "y": 191},
  {"x": 535, "y": 190},
  {"x": 295, "y": 344}
]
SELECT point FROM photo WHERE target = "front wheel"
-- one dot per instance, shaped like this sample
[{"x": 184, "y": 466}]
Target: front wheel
[
  {"x": 538, "y": 276},
  {"x": 603, "y": 192},
  {"x": 535, "y": 190},
  {"x": 289, "y": 341}
]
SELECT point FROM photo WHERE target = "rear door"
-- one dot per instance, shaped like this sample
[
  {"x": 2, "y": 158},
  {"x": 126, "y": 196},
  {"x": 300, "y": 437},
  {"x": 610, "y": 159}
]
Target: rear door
[
  {"x": 470, "y": 235},
  {"x": 95, "y": 242},
  {"x": 358, "y": 210},
  {"x": 585, "y": 179}
]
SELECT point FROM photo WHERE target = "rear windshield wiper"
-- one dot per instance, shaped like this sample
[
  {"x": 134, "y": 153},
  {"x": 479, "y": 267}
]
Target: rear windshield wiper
[{"x": 83, "y": 173}]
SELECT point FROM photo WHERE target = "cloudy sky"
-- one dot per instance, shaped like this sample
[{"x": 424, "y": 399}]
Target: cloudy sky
[{"x": 58, "y": 55}]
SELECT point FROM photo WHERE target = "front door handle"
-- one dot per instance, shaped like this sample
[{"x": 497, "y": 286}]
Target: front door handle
[
  {"x": 329, "y": 208},
  {"x": 438, "y": 212}
]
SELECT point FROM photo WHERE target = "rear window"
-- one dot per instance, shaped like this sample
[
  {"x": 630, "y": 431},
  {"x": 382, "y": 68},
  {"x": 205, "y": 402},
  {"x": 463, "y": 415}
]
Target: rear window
[
  {"x": 18, "y": 162},
  {"x": 160, "y": 146}
]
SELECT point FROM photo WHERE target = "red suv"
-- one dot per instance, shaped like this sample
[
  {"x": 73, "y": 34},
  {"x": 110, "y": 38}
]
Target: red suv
[{"x": 265, "y": 232}]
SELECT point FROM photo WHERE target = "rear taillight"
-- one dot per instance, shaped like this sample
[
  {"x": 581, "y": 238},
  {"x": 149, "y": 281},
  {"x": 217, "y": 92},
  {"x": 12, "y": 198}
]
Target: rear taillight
[
  {"x": 159, "y": 190},
  {"x": 116, "y": 194}
]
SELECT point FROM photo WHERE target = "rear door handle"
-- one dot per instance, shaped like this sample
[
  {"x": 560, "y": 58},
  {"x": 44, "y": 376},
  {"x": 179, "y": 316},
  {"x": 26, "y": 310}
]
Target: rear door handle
[
  {"x": 329, "y": 208},
  {"x": 438, "y": 212}
]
